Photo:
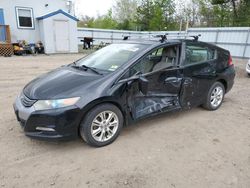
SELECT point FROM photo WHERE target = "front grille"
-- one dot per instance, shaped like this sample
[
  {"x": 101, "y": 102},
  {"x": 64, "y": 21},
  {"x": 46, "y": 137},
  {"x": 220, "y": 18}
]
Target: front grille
[{"x": 27, "y": 102}]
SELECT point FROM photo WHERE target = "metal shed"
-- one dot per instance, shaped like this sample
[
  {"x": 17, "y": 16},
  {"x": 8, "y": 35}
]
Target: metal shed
[{"x": 58, "y": 31}]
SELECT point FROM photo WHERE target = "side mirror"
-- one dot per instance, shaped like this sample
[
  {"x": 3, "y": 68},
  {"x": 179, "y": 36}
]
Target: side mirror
[
  {"x": 143, "y": 85},
  {"x": 132, "y": 78}
]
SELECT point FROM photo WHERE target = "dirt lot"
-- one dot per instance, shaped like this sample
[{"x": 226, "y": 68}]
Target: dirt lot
[{"x": 195, "y": 148}]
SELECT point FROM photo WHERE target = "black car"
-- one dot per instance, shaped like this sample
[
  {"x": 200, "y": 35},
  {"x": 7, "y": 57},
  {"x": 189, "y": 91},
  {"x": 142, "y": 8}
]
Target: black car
[{"x": 97, "y": 95}]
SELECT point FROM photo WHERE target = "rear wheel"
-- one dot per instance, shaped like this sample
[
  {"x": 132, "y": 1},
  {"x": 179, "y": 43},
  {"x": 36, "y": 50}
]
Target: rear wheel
[
  {"x": 101, "y": 125},
  {"x": 215, "y": 96}
]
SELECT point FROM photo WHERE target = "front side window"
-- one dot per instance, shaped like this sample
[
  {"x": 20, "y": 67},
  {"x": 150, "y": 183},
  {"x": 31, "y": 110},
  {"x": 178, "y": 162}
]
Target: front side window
[
  {"x": 25, "y": 17},
  {"x": 159, "y": 59},
  {"x": 197, "y": 54}
]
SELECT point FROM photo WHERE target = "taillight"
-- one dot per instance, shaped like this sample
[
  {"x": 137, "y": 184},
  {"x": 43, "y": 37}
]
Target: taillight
[{"x": 230, "y": 61}]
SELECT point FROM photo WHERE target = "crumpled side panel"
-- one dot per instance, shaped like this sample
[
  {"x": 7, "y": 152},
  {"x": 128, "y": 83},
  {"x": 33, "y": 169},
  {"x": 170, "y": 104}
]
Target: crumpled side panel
[{"x": 148, "y": 105}]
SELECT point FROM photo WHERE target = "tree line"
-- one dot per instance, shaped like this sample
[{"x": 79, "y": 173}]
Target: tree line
[{"x": 158, "y": 15}]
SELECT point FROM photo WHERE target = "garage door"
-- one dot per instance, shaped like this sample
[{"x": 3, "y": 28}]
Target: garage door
[{"x": 61, "y": 35}]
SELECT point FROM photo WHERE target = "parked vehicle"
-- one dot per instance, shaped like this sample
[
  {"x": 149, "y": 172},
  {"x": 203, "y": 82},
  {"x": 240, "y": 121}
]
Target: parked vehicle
[
  {"x": 97, "y": 95},
  {"x": 248, "y": 67}
]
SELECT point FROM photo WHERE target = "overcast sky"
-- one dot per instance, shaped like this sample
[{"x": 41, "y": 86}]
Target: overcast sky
[{"x": 92, "y": 7}]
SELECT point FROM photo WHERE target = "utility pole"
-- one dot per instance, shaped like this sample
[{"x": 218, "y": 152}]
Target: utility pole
[
  {"x": 187, "y": 25},
  {"x": 180, "y": 26}
]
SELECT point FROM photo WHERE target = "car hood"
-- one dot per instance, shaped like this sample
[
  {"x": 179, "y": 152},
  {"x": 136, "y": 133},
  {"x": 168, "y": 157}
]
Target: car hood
[{"x": 64, "y": 82}]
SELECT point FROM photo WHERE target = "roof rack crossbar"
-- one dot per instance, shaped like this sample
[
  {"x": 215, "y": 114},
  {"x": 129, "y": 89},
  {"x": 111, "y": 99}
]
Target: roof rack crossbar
[
  {"x": 126, "y": 37},
  {"x": 163, "y": 37},
  {"x": 178, "y": 35}
]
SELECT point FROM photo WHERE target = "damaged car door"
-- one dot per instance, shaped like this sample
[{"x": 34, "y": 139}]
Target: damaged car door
[
  {"x": 200, "y": 72},
  {"x": 155, "y": 83}
]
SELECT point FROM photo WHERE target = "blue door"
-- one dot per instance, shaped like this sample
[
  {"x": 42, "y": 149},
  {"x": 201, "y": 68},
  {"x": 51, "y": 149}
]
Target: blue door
[{"x": 2, "y": 29}]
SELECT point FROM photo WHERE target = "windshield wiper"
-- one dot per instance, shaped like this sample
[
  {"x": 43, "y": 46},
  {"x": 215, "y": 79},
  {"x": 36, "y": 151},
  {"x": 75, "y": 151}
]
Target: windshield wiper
[
  {"x": 91, "y": 68},
  {"x": 85, "y": 67}
]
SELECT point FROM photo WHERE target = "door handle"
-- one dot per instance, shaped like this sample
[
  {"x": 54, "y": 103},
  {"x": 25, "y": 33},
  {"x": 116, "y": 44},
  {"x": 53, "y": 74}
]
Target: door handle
[
  {"x": 187, "y": 81},
  {"x": 172, "y": 80}
]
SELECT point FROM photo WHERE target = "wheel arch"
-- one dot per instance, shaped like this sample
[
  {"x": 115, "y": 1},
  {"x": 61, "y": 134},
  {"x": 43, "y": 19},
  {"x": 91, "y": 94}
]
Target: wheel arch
[
  {"x": 99, "y": 101},
  {"x": 224, "y": 82}
]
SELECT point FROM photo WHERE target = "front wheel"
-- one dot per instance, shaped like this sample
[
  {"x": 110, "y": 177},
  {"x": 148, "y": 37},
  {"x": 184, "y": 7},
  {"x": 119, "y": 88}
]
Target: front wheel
[
  {"x": 101, "y": 125},
  {"x": 215, "y": 96}
]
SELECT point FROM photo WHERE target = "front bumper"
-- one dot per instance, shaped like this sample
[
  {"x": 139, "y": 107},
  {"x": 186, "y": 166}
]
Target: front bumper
[{"x": 54, "y": 124}]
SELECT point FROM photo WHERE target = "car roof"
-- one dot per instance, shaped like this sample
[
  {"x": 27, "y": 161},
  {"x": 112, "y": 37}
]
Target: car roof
[{"x": 157, "y": 41}]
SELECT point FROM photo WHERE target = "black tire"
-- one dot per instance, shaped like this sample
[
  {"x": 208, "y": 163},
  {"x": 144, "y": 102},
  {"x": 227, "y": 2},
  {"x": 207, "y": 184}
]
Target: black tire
[
  {"x": 86, "y": 127},
  {"x": 208, "y": 103}
]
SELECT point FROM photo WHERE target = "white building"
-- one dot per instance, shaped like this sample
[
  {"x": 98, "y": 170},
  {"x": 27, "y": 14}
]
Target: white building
[{"x": 49, "y": 21}]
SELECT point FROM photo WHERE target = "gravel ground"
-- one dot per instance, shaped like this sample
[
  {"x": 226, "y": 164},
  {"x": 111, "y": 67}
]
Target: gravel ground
[{"x": 195, "y": 148}]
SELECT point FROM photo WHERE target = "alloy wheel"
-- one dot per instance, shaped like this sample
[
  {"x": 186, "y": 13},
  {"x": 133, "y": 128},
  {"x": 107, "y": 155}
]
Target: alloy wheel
[
  {"x": 104, "y": 126},
  {"x": 216, "y": 96}
]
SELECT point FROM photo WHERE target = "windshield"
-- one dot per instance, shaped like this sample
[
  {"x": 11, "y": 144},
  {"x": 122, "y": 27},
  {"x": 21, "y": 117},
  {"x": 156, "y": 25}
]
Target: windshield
[{"x": 111, "y": 57}]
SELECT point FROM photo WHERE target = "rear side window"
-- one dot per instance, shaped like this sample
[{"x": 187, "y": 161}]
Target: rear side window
[{"x": 197, "y": 54}]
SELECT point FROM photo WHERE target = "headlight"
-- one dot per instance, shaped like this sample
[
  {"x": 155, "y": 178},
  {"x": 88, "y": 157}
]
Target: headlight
[{"x": 53, "y": 104}]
